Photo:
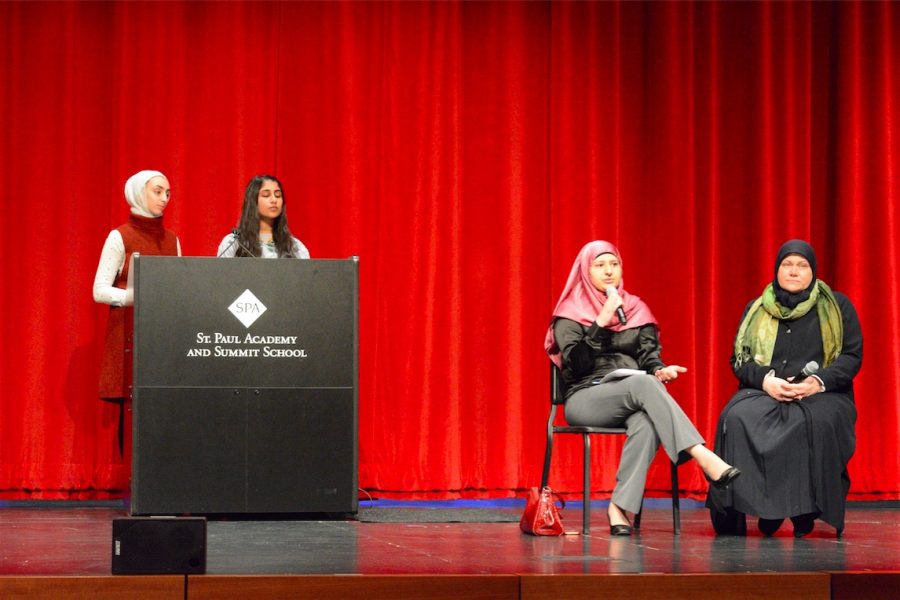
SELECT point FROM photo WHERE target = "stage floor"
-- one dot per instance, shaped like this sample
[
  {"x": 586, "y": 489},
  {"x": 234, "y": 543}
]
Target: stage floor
[{"x": 76, "y": 540}]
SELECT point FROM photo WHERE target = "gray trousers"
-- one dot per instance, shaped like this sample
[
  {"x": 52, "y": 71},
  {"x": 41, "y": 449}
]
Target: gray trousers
[{"x": 642, "y": 405}]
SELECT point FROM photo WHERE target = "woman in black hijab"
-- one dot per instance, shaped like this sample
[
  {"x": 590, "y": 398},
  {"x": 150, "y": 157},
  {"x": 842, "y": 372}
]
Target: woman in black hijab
[{"x": 790, "y": 435}]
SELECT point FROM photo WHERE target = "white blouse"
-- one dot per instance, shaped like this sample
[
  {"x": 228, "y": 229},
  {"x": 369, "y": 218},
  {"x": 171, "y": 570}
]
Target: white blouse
[
  {"x": 112, "y": 261},
  {"x": 229, "y": 247}
]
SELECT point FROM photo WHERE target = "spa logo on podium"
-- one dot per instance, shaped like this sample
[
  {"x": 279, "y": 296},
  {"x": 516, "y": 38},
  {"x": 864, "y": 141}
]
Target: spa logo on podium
[{"x": 247, "y": 308}]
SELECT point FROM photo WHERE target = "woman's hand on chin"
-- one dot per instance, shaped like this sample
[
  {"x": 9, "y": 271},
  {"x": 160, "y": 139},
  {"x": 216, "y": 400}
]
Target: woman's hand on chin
[{"x": 608, "y": 312}]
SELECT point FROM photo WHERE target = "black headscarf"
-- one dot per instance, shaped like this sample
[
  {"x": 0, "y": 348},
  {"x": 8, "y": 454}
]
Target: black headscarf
[{"x": 785, "y": 298}]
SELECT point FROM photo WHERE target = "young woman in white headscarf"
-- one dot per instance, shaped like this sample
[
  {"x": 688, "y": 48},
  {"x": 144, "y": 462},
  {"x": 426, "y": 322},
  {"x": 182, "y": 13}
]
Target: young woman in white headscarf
[
  {"x": 148, "y": 194},
  {"x": 791, "y": 436}
]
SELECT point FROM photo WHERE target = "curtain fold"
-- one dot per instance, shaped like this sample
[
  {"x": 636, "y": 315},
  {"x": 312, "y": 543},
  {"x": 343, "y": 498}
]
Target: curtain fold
[{"x": 464, "y": 151}]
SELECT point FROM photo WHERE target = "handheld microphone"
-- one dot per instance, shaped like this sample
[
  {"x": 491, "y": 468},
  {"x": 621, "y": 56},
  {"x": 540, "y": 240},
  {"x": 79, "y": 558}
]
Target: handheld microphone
[
  {"x": 810, "y": 368},
  {"x": 620, "y": 312}
]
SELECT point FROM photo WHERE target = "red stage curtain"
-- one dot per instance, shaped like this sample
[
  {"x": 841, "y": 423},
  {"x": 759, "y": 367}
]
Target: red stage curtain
[{"x": 465, "y": 151}]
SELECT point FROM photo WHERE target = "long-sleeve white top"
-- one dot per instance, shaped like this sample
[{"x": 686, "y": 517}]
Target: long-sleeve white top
[{"x": 112, "y": 261}]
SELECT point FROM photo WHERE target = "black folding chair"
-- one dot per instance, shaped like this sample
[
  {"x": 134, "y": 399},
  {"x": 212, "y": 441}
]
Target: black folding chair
[{"x": 557, "y": 397}]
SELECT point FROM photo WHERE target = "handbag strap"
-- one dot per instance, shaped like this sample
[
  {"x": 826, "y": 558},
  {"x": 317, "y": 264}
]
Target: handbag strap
[{"x": 556, "y": 496}]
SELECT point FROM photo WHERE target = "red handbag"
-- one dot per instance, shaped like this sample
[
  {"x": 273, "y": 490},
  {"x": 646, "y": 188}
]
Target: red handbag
[{"x": 541, "y": 515}]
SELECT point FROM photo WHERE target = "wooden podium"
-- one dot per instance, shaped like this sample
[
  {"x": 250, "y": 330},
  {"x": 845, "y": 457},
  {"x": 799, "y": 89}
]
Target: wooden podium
[{"x": 245, "y": 386}]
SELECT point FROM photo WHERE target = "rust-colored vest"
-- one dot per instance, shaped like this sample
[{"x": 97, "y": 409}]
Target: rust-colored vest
[{"x": 149, "y": 238}]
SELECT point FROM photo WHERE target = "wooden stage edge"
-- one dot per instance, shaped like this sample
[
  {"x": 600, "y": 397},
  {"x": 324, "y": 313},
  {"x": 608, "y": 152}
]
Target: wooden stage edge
[{"x": 867, "y": 585}]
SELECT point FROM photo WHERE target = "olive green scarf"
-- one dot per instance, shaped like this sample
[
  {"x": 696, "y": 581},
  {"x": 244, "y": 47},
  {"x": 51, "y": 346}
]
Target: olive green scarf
[{"x": 756, "y": 336}]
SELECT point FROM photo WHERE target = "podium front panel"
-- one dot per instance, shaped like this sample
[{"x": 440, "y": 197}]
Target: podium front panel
[
  {"x": 296, "y": 438},
  {"x": 245, "y": 386},
  {"x": 190, "y": 451},
  {"x": 188, "y": 317}
]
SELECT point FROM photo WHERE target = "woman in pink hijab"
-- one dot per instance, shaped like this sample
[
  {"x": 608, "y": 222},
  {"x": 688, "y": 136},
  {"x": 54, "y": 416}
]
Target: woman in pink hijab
[{"x": 606, "y": 344}]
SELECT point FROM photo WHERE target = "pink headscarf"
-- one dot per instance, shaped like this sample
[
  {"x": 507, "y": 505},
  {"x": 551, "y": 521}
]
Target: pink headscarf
[{"x": 580, "y": 301}]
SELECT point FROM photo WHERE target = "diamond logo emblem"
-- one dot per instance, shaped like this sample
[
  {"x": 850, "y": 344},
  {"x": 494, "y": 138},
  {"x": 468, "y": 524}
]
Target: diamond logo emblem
[{"x": 247, "y": 308}]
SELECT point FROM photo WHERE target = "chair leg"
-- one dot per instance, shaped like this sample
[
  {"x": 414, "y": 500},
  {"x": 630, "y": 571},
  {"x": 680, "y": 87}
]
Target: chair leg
[
  {"x": 548, "y": 454},
  {"x": 586, "y": 512},
  {"x": 548, "y": 451},
  {"x": 676, "y": 504},
  {"x": 637, "y": 515}
]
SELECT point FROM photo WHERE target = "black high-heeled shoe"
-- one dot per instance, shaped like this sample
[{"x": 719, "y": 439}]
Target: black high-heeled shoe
[
  {"x": 622, "y": 529},
  {"x": 730, "y": 474}
]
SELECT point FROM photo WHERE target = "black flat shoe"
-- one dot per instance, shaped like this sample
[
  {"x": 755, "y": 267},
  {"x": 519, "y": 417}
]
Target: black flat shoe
[
  {"x": 620, "y": 530},
  {"x": 730, "y": 474},
  {"x": 803, "y": 524},
  {"x": 768, "y": 527},
  {"x": 728, "y": 521}
]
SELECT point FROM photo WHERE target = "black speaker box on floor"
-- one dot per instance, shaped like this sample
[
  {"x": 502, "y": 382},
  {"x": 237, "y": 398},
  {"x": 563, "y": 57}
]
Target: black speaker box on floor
[{"x": 158, "y": 545}]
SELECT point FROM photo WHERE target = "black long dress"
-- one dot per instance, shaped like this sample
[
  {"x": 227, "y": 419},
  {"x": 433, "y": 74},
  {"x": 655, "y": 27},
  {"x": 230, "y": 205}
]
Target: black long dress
[{"x": 793, "y": 455}]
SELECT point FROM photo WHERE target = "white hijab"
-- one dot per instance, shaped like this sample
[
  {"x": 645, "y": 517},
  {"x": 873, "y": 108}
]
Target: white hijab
[{"x": 134, "y": 192}]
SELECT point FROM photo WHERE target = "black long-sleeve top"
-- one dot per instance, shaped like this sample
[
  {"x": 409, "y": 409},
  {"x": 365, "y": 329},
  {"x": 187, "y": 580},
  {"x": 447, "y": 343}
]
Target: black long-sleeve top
[
  {"x": 800, "y": 341},
  {"x": 590, "y": 352}
]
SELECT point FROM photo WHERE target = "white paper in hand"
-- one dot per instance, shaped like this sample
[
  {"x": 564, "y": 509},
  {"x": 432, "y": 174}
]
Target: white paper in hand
[{"x": 620, "y": 374}]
